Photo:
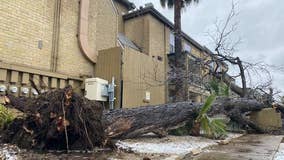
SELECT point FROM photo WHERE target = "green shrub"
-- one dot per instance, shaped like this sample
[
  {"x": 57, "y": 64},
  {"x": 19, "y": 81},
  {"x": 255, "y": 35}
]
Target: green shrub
[{"x": 6, "y": 116}]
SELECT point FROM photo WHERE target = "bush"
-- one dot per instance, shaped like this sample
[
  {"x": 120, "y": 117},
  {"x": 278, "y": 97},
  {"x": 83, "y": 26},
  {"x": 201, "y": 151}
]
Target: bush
[{"x": 6, "y": 116}]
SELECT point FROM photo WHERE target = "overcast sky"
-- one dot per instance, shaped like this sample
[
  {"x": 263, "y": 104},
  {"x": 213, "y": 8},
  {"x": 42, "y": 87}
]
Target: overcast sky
[{"x": 261, "y": 28}]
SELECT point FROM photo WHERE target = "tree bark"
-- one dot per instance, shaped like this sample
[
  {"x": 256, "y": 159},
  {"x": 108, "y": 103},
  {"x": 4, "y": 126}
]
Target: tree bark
[
  {"x": 243, "y": 77},
  {"x": 129, "y": 123},
  {"x": 102, "y": 127},
  {"x": 180, "y": 81}
]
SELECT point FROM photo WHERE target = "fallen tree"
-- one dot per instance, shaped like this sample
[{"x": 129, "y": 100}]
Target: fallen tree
[
  {"x": 62, "y": 119},
  {"x": 129, "y": 123}
]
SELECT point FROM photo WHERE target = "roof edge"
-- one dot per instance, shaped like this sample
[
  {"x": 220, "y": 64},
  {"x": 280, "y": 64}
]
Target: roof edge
[{"x": 151, "y": 10}]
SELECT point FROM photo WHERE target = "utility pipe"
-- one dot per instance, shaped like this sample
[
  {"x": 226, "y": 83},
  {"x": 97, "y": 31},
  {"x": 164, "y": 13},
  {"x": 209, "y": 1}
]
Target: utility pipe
[{"x": 83, "y": 32}]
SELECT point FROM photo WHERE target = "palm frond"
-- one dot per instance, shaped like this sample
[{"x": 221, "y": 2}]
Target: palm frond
[
  {"x": 171, "y": 3},
  {"x": 214, "y": 85},
  {"x": 167, "y": 3},
  {"x": 207, "y": 105},
  {"x": 226, "y": 90},
  {"x": 189, "y": 2},
  {"x": 212, "y": 128},
  {"x": 205, "y": 125},
  {"x": 219, "y": 127}
]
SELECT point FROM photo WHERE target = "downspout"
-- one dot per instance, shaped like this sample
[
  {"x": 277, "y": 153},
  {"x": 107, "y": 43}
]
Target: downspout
[
  {"x": 55, "y": 36},
  {"x": 116, "y": 13},
  {"x": 83, "y": 31},
  {"x": 165, "y": 65}
]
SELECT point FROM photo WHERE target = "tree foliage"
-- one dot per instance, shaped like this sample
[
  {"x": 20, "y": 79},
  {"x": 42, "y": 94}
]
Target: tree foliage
[
  {"x": 171, "y": 3},
  {"x": 212, "y": 127},
  {"x": 6, "y": 116},
  {"x": 219, "y": 88}
]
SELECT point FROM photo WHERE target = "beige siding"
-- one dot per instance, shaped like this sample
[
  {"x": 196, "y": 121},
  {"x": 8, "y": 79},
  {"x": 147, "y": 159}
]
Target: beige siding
[
  {"x": 141, "y": 74},
  {"x": 108, "y": 66},
  {"x": 138, "y": 30}
]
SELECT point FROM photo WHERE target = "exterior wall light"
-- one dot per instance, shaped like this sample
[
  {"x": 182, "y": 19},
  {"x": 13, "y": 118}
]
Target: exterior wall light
[
  {"x": 14, "y": 89},
  {"x": 3, "y": 88},
  {"x": 25, "y": 90},
  {"x": 34, "y": 92}
]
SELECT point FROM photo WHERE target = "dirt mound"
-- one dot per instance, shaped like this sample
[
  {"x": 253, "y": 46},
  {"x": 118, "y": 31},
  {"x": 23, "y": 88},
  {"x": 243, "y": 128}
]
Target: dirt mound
[{"x": 56, "y": 120}]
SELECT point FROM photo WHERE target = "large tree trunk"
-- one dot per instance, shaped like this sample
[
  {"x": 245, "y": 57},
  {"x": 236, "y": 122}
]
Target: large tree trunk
[
  {"x": 88, "y": 126},
  {"x": 129, "y": 123},
  {"x": 180, "y": 82}
]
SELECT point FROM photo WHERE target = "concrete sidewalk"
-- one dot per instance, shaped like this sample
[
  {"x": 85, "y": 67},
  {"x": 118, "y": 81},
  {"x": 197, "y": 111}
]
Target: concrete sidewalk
[{"x": 248, "y": 147}]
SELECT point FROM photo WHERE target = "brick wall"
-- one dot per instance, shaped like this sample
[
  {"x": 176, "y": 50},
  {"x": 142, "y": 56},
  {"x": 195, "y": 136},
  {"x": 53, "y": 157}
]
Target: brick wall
[
  {"x": 70, "y": 58},
  {"x": 23, "y": 24},
  {"x": 26, "y": 24}
]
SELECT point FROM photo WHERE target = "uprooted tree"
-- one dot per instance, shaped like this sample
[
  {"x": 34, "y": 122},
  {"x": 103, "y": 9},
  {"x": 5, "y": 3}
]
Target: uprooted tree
[
  {"x": 61, "y": 119},
  {"x": 225, "y": 47}
]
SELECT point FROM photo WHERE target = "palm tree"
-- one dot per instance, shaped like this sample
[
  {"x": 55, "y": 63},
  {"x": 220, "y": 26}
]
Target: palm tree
[{"x": 180, "y": 93}]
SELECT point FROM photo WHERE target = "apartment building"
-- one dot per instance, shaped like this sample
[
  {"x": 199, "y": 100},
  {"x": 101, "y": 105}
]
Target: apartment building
[{"x": 60, "y": 42}]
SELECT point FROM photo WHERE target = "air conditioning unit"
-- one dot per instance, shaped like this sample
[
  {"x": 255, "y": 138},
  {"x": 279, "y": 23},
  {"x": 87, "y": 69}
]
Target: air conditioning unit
[{"x": 96, "y": 89}]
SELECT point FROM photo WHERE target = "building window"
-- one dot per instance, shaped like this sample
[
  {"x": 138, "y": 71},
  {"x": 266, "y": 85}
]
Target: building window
[
  {"x": 172, "y": 42},
  {"x": 186, "y": 48}
]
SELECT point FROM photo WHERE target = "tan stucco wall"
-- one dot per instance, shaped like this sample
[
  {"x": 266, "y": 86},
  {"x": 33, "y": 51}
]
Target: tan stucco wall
[
  {"x": 135, "y": 30},
  {"x": 142, "y": 73},
  {"x": 122, "y": 10},
  {"x": 158, "y": 39},
  {"x": 267, "y": 119}
]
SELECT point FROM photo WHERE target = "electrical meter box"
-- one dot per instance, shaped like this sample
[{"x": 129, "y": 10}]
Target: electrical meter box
[{"x": 96, "y": 89}]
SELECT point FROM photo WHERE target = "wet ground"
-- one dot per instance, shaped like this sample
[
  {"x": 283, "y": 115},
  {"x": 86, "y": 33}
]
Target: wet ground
[
  {"x": 11, "y": 152},
  {"x": 249, "y": 147}
]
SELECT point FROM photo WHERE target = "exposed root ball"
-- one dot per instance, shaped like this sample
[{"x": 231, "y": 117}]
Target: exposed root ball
[{"x": 59, "y": 119}]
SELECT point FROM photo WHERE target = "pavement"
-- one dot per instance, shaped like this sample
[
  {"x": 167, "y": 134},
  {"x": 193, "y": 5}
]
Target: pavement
[
  {"x": 235, "y": 147},
  {"x": 175, "y": 146},
  {"x": 248, "y": 147}
]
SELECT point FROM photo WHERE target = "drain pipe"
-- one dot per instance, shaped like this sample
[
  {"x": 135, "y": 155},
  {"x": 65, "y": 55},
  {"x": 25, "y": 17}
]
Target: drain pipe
[
  {"x": 55, "y": 36},
  {"x": 116, "y": 13},
  {"x": 83, "y": 31}
]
